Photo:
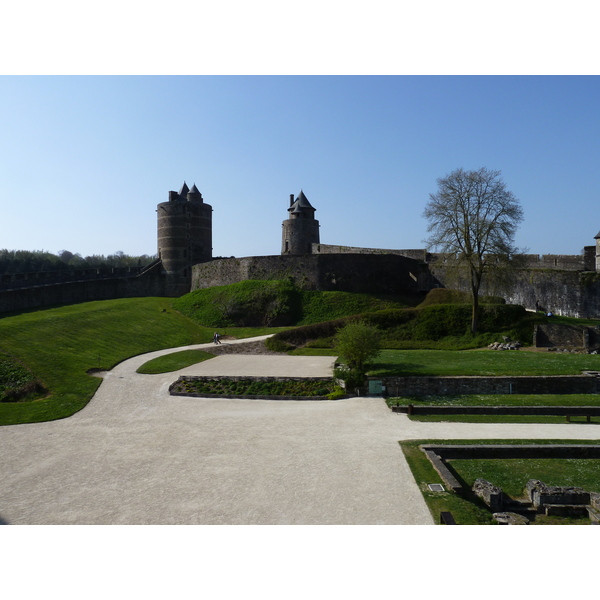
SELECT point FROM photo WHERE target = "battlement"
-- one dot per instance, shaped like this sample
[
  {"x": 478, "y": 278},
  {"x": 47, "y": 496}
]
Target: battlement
[
  {"x": 419, "y": 254},
  {"x": 15, "y": 281}
]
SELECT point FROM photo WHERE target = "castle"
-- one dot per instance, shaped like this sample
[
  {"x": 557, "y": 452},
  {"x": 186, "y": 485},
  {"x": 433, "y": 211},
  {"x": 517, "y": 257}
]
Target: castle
[{"x": 566, "y": 284}]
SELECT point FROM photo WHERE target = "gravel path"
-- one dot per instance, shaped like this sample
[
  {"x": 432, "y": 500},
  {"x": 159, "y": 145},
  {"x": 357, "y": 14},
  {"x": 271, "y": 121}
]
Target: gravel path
[{"x": 136, "y": 455}]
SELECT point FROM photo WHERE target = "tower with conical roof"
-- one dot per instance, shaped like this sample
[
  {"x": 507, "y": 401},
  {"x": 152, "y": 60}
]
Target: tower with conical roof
[
  {"x": 300, "y": 229},
  {"x": 184, "y": 236}
]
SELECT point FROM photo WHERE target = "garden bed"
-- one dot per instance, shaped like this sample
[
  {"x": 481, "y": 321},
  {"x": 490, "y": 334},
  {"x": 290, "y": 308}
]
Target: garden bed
[{"x": 264, "y": 388}]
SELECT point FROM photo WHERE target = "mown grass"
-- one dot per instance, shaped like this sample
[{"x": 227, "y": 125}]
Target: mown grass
[
  {"x": 174, "y": 361},
  {"x": 278, "y": 303},
  {"x": 469, "y": 510},
  {"x": 539, "y": 419},
  {"x": 59, "y": 345},
  {"x": 405, "y": 363},
  {"x": 512, "y": 474},
  {"x": 481, "y": 362},
  {"x": 498, "y": 400}
]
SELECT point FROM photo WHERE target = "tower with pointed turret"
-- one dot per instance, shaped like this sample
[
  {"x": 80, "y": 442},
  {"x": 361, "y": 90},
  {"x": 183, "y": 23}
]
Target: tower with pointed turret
[
  {"x": 184, "y": 236},
  {"x": 300, "y": 229}
]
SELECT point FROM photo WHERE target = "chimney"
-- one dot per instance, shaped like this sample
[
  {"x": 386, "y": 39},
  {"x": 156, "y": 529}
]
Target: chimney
[{"x": 291, "y": 199}]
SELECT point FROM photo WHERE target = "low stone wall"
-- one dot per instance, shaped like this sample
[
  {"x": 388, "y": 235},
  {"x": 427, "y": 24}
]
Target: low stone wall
[
  {"x": 174, "y": 391},
  {"x": 506, "y": 451},
  {"x": 448, "y": 386},
  {"x": 547, "y": 411}
]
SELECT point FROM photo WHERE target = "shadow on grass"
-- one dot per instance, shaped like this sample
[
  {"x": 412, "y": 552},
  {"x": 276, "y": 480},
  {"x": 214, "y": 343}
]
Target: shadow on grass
[{"x": 404, "y": 369}]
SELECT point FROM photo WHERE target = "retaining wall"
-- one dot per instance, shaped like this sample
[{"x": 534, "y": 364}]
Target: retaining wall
[{"x": 448, "y": 386}]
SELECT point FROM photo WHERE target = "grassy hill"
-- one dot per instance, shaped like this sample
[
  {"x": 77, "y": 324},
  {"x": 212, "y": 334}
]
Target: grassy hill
[
  {"x": 255, "y": 303},
  {"x": 59, "y": 345},
  {"x": 430, "y": 325}
]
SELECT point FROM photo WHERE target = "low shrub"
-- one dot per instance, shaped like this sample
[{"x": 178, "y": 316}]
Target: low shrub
[
  {"x": 254, "y": 387},
  {"x": 16, "y": 382},
  {"x": 442, "y": 326},
  {"x": 337, "y": 393}
]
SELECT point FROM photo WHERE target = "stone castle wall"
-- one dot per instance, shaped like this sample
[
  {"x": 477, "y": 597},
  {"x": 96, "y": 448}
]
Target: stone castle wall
[
  {"x": 386, "y": 273},
  {"x": 418, "y": 254},
  {"x": 150, "y": 283}
]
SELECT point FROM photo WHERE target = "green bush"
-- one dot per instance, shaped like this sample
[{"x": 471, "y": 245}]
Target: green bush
[
  {"x": 353, "y": 379},
  {"x": 17, "y": 383},
  {"x": 337, "y": 393},
  {"x": 442, "y": 326},
  {"x": 358, "y": 344},
  {"x": 252, "y": 387}
]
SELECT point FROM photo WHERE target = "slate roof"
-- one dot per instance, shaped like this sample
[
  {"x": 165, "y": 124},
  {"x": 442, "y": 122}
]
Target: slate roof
[{"x": 301, "y": 204}]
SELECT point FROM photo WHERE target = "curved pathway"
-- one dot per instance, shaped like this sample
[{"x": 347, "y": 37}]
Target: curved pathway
[{"x": 136, "y": 455}]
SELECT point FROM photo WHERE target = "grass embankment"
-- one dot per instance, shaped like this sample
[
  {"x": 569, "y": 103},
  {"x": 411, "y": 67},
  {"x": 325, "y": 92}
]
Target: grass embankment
[
  {"x": 488, "y": 363},
  {"x": 59, "y": 346},
  {"x": 428, "y": 326},
  {"x": 259, "y": 303},
  {"x": 511, "y": 475}
]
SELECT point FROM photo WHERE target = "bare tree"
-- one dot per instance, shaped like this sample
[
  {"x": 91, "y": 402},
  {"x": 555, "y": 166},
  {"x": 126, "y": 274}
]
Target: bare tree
[{"x": 473, "y": 218}]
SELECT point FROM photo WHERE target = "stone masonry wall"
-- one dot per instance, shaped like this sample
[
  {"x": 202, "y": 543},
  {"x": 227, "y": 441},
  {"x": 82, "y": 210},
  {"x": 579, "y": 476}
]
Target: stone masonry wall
[
  {"x": 150, "y": 283},
  {"x": 441, "y": 386},
  {"x": 564, "y": 293},
  {"x": 345, "y": 272},
  {"x": 418, "y": 254}
]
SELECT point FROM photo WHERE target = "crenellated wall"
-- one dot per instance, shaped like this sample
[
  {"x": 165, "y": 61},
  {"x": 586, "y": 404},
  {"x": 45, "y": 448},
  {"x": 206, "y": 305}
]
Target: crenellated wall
[{"x": 151, "y": 282}]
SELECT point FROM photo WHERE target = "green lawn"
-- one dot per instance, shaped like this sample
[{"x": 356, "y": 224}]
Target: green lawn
[
  {"x": 481, "y": 362},
  {"x": 404, "y": 363},
  {"x": 59, "y": 345},
  {"x": 512, "y": 474},
  {"x": 174, "y": 361},
  {"x": 507, "y": 474},
  {"x": 499, "y": 400}
]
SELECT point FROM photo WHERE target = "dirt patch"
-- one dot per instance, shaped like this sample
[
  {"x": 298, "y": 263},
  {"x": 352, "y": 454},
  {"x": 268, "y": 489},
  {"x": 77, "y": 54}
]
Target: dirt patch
[{"x": 96, "y": 373}]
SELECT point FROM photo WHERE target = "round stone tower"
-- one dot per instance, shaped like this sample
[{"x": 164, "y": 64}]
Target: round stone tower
[
  {"x": 301, "y": 229},
  {"x": 184, "y": 236}
]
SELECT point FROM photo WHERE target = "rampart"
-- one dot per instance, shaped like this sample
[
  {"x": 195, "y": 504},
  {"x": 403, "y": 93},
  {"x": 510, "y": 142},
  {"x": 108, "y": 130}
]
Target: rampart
[
  {"x": 418, "y": 254},
  {"x": 39, "y": 290},
  {"x": 385, "y": 273}
]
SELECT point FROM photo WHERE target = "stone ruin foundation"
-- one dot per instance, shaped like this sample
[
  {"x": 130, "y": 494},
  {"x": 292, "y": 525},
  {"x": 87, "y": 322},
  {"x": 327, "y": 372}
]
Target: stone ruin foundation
[{"x": 543, "y": 499}]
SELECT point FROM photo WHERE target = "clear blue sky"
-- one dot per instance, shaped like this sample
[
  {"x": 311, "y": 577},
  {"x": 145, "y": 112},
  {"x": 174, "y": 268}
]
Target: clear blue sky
[{"x": 85, "y": 160}]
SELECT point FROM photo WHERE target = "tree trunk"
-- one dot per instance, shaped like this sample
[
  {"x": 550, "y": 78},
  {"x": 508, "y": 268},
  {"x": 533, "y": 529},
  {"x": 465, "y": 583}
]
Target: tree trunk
[
  {"x": 475, "y": 313},
  {"x": 475, "y": 285}
]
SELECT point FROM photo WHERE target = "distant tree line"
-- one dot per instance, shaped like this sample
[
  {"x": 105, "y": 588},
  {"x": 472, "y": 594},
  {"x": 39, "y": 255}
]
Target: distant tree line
[{"x": 33, "y": 261}]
